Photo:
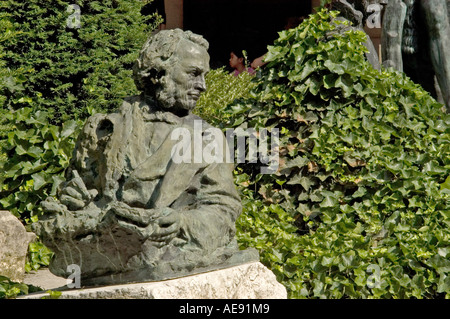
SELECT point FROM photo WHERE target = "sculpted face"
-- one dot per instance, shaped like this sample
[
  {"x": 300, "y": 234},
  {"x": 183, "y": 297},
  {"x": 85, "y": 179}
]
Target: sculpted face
[{"x": 185, "y": 80}]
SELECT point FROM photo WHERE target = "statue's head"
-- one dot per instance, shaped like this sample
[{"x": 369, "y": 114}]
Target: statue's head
[
  {"x": 351, "y": 10},
  {"x": 171, "y": 68}
]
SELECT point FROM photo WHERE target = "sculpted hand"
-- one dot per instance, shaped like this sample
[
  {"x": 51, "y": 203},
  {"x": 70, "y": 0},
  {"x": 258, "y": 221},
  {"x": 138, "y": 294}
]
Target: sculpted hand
[
  {"x": 158, "y": 226},
  {"x": 75, "y": 195},
  {"x": 51, "y": 205},
  {"x": 137, "y": 216},
  {"x": 166, "y": 228}
]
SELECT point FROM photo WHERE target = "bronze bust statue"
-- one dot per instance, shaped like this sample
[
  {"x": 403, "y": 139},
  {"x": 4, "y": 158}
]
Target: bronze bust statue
[{"x": 128, "y": 212}]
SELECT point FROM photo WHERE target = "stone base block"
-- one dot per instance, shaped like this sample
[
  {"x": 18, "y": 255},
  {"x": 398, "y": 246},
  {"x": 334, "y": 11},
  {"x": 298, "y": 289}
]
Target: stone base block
[{"x": 247, "y": 281}]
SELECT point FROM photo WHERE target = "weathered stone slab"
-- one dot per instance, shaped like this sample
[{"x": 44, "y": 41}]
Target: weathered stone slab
[
  {"x": 14, "y": 240},
  {"x": 247, "y": 281},
  {"x": 44, "y": 279}
]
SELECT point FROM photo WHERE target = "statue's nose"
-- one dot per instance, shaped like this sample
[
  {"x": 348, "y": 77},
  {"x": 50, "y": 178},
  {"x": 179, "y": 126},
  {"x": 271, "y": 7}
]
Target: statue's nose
[{"x": 200, "y": 83}]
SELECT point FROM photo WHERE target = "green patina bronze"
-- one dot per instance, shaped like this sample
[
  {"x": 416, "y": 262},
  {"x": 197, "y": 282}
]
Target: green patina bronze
[
  {"x": 416, "y": 40},
  {"x": 128, "y": 212}
]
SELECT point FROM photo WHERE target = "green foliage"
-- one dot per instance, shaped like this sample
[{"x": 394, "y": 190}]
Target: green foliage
[
  {"x": 270, "y": 229},
  {"x": 11, "y": 83},
  {"x": 38, "y": 256},
  {"x": 324, "y": 2},
  {"x": 66, "y": 73},
  {"x": 36, "y": 155},
  {"x": 222, "y": 88},
  {"x": 10, "y": 80},
  {"x": 10, "y": 289},
  {"x": 364, "y": 172},
  {"x": 75, "y": 71},
  {"x": 52, "y": 294}
]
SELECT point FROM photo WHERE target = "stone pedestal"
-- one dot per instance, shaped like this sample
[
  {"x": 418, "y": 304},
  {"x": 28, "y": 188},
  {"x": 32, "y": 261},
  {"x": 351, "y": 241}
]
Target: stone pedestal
[
  {"x": 14, "y": 240},
  {"x": 247, "y": 281}
]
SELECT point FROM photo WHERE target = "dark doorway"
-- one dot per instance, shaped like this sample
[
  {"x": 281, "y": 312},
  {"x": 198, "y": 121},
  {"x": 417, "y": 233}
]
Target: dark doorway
[{"x": 248, "y": 25}]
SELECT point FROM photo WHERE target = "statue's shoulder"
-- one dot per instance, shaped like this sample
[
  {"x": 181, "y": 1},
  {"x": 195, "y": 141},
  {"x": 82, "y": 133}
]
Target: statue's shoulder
[
  {"x": 105, "y": 123},
  {"x": 125, "y": 109},
  {"x": 130, "y": 102},
  {"x": 194, "y": 118}
]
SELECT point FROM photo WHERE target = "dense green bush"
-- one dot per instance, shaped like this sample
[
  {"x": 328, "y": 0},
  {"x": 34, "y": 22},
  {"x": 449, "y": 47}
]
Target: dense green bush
[
  {"x": 222, "y": 88},
  {"x": 33, "y": 157},
  {"x": 36, "y": 156},
  {"x": 10, "y": 289},
  {"x": 75, "y": 70},
  {"x": 364, "y": 172},
  {"x": 10, "y": 80},
  {"x": 51, "y": 73}
]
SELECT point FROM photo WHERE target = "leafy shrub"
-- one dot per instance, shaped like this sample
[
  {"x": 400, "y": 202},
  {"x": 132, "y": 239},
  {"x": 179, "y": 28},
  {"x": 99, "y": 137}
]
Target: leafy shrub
[
  {"x": 222, "y": 88},
  {"x": 10, "y": 289},
  {"x": 364, "y": 172},
  {"x": 33, "y": 157},
  {"x": 270, "y": 229},
  {"x": 67, "y": 72},
  {"x": 10, "y": 80},
  {"x": 75, "y": 70},
  {"x": 36, "y": 156},
  {"x": 38, "y": 256}
]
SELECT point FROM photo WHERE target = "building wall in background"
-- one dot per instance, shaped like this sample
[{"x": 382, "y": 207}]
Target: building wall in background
[{"x": 247, "y": 24}]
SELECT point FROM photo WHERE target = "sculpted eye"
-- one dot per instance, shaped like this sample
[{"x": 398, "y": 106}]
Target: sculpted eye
[{"x": 195, "y": 72}]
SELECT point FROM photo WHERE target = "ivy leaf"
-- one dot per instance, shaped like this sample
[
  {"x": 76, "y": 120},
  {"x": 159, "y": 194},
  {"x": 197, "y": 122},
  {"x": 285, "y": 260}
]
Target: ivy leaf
[
  {"x": 329, "y": 199},
  {"x": 444, "y": 283},
  {"x": 297, "y": 162},
  {"x": 69, "y": 128},
  {"x": 446, "y": 184},
  {"x": 39, "y": 180},
  {"x": 305, "y": 181},
  {"x": 348, "y": 259},
  {"x": 439, "y": 263},
  {"x": 334, "y": 67}
]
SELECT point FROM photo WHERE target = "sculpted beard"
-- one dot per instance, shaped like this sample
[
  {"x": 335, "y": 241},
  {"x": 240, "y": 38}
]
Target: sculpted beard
[
  {"x": 175, "y": 97},
  {"x": 165, "y": 94}
]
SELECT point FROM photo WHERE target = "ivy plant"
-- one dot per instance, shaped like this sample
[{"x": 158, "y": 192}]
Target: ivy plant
[
  {"x": 364, "y": 165},
  {"x": 10, "y": 289},
  {"x": 35, "y": 156},
  {"x": 38, "y": 256}
]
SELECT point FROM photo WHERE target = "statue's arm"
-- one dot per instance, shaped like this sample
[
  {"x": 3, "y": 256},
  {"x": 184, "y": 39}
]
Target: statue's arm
[
  {"x": 79, "y": 189},
  {"x": 206, "y": 223},
  {"x": 211, "y": 223}
]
